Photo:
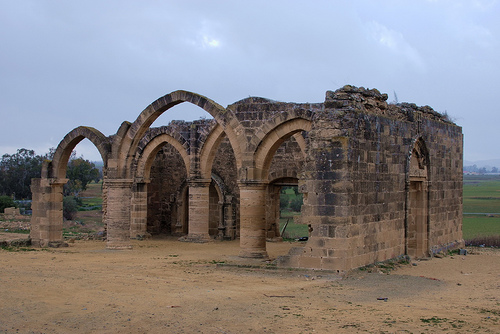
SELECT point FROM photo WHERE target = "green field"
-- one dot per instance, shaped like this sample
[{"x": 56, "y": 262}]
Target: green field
[{"x": 481, "y": 195}]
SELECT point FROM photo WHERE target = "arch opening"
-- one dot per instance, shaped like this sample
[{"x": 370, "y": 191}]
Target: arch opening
[
  {"x": 221, "y": 162},
  {"x": 284, "y": 202},
  {"x": 167, "y": 192}
]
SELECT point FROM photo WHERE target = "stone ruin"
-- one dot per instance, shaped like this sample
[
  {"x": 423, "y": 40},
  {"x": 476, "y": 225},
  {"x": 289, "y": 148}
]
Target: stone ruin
[{"x": 379, "y": 180}]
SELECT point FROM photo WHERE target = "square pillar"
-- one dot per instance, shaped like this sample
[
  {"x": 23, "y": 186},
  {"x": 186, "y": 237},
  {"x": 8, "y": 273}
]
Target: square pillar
[
  {"x": 253, "y": 220},
  {"x": 118, "y": 213},
  {"x": 47, "y": 216},
  {"x": 199, "y": 209},
  {"x": 139, "y": 209}
]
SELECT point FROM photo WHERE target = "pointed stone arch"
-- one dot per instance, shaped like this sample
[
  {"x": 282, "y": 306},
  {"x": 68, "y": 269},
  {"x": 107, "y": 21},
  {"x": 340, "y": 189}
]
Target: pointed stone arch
[
  {"x": 149, "y": 152},
  {"x": 418, "y": 160},
  {"x": 58, "y": 166},
  {"x": 209, "y": 150},
  {"x": 47, "y": 192},
  {"x": 272, "y": 141},
  {"x": 125, "y": 145}
]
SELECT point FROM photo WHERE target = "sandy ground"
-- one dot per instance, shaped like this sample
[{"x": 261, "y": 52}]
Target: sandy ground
[{"x": 166, "y": 286}]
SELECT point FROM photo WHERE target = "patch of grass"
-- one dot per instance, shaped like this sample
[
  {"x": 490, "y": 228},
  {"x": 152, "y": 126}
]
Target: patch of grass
[
  {"x": 21, "y": 231},
  {"x": 19, "y": 249},
  {"x": 293, "y": 230},
  {"x": 438, "y": 321},
  {"x": 433, "y": 320}
]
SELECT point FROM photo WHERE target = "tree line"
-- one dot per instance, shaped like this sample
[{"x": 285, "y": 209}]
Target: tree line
[
  {"x": 17, "y": 170},
  {"x": 481, "y": 170}
]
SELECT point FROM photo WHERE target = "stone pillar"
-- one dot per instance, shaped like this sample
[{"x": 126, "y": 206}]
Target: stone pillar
[
  {"x": 220, "y": 227},
  {"x": 139, "y": 209},
  {"x": 198, "y": 210},
  {"x": 47, "y": 216},
  {"x": 181, "y": 216},
  {"x": 118, "y": 213},
  {"x": 229, "y": 223},
  {"x": 253, "y": 220}
]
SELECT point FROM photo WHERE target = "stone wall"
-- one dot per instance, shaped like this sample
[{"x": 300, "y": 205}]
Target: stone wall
[{"x": 357, "y": 182}]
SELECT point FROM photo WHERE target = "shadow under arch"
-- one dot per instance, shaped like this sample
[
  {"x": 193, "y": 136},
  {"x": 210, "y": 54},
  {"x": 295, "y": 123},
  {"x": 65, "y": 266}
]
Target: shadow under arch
[
  {"x": 417, "y": 218},
  {"x": 57, "y": 168},
  {"x": 149, "y": 152},
  {"x": 140, "y": 197},
  {"x": 125, "y": 145},
  {"x": 272, "y": 141}
]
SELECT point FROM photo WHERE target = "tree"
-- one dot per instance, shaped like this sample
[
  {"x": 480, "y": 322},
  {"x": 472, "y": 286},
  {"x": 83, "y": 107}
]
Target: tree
[
  {"x": 16, "y": 172},
  {"x": 296, "y": 203},
  {"x": 80, "y": 173}
]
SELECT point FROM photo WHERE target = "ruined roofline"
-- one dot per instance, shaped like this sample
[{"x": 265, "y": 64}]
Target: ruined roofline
[
  {"x": 371, "y": 101},
  {"x": 357, "y": 99}
]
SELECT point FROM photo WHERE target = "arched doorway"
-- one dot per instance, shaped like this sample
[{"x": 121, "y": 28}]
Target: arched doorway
[
  {"x": 282, "y": 206},
  {"x": 417, "y": 229}
]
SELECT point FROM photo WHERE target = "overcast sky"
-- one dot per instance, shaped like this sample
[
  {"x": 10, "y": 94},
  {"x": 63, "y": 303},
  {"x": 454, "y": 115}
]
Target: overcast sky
[{"x": 98, "y": 63}]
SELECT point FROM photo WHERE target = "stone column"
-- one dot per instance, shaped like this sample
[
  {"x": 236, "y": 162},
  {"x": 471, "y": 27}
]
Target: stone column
[
  {"x": 118, "y": 213},
  {"x": 47, "y": 216},
  {"x": 220, "y": 227},
  {"x": 139, "y": 209},
  {"x": 198, "y": 210},
  {"x": 253, "y": 220}
]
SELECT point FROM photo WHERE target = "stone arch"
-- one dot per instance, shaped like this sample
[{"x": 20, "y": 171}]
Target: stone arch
[
  {"x": 209, "y": 150},
  {"x": 149, "y": 152},
  {"x": 276, "y": 120},
  {"x": 66, "y": 146},
  {"x": 273, "y": 139},
  {"x": 418, "y": 159},
  {"x": 126, "y": 144},
  {"x": 417, "y": 225}
]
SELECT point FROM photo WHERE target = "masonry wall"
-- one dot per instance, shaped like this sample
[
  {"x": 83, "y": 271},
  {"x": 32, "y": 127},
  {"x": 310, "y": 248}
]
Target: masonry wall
[{"x": 356, "y": 183}]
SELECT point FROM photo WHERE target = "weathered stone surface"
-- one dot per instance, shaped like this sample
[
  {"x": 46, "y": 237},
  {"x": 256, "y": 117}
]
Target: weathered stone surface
[{"x": 379, "y": 180}]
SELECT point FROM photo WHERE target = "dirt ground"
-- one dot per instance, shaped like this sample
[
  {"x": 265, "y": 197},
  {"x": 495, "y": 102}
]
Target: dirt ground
[{"x": 166, "y": 286}]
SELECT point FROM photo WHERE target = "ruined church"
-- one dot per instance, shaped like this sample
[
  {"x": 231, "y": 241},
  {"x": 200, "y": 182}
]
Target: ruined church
[{"x": 379, "y": 180}]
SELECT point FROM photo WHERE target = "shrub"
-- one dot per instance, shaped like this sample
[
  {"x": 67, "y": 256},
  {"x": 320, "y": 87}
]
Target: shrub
[
  {"x": 6, "y": 202},
  {"x": 70, "y": 207}
]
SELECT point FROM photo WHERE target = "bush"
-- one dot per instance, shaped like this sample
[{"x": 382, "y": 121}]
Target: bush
[
  {"x": 6, "y": 202},
  {"x": 484, "y": 241},
  {"x": 70, "y": 207}
]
